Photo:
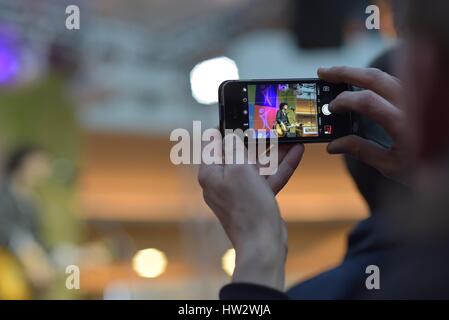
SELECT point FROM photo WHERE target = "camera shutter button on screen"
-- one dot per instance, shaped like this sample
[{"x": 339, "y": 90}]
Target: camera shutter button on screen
[{"x": 325, "y": 110}]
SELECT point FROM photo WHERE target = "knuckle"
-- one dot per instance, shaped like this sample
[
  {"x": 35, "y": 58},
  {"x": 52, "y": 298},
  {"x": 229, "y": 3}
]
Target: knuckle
[
  {"x": 342, "y": 99},
  {"x": 388, "y": 170},
  {"x": 345, "y": 95},
  {"x": 375, "y": 74},
  {"x": 367, "y": 98}
]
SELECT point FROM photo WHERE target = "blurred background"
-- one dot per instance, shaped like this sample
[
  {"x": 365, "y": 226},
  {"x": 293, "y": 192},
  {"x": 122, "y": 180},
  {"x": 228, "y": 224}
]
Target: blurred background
[{"x": 85, "y": 118}]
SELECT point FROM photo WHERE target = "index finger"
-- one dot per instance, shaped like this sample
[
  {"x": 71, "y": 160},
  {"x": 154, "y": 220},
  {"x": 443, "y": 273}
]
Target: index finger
[
  {"x": 373, "y": 79},
  {"x": 373, "y": 106}
]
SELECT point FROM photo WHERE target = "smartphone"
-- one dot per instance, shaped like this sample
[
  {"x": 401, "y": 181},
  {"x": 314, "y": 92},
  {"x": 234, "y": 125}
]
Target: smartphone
[{"x": 295, "y": 110}]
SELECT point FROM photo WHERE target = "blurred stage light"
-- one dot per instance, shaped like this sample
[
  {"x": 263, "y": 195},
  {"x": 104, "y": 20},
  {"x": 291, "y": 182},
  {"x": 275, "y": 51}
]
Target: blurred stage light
[
  {"x": 9, "y": 62},
  {"x": 149, "y": 263},
  {"x": 206, "y": 77},
  {"x": 228, "y": 262}
]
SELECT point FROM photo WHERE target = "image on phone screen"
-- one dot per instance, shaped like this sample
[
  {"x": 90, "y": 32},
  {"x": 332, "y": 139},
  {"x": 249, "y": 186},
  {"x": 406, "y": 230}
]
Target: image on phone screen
[{"x": 291, "y": 110}]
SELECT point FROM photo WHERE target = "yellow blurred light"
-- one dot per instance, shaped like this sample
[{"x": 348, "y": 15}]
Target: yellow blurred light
[
  {"x": 228, "y": 262},
  {"x": 149, "y": 263}
]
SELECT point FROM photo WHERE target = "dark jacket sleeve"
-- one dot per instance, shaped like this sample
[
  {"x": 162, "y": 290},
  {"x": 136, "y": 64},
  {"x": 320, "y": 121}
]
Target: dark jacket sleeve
[{"x": 248, "y": 291}]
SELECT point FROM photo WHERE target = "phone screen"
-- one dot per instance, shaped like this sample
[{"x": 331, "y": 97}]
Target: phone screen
[{"x": 293, "y": 110}]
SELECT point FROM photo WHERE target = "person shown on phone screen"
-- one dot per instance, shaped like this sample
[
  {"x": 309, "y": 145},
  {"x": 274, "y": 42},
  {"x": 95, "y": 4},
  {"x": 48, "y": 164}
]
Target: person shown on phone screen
[
  {"x": 282, "y": 121},
  {"x": 408, "y": 241}
]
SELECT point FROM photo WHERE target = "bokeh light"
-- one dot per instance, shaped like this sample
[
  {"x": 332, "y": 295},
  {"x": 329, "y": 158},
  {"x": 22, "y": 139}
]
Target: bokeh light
[
  {"x": 149, "y": 263},
  {"x": 228, "y": 262},
  {"x": 206, "y": 77}
]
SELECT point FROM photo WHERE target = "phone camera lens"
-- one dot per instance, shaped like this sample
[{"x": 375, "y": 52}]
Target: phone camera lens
[{"x": 245, "y": 100}]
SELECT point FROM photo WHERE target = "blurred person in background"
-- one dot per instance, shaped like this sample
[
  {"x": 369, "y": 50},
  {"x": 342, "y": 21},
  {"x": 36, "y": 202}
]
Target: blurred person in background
[
  {"x": 409, "y": 240},
  {"x": 20, "y": 227},
  {"x": 40, "y": 112}
]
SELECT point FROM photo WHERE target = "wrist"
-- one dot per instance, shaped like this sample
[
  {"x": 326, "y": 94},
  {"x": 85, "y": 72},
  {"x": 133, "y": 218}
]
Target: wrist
[{"x": 261, "y": 261}]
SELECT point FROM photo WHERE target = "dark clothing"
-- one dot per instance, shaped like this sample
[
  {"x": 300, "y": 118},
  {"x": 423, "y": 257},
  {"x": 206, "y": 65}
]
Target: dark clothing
[
  {"x": 281, "y": 117},
  {"x": 346, "y": 281},
  {"x": 408, "y": 242}
]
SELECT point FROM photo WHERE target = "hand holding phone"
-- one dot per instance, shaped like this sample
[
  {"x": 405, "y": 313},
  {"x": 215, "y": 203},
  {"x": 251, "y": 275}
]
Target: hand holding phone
[{"x": 378, "y": 101}]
